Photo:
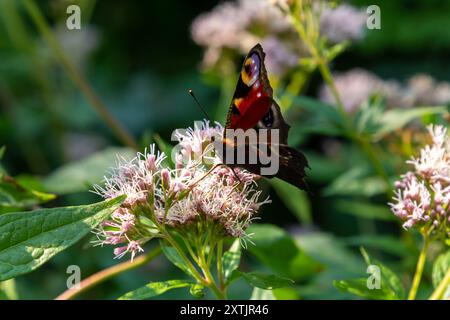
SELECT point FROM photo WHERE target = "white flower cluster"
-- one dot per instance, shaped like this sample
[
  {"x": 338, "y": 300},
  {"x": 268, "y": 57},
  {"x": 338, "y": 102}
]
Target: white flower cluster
[
  {"x": 181, "y": 198},
  {"x": 422, "y": 196}
]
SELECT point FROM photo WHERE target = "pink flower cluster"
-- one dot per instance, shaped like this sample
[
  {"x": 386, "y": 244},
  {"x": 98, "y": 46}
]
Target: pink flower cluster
[
  {"x": 191, "y": 194},
  {"x": 422, "y": 196}
]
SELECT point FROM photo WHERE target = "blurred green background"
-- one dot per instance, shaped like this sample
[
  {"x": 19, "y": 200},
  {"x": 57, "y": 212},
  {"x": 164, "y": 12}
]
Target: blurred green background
[{"x": 140, "y": 59}]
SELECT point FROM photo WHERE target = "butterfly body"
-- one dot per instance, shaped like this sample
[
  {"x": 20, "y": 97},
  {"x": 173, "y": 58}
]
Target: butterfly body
[{"x": 253, "y": 107}]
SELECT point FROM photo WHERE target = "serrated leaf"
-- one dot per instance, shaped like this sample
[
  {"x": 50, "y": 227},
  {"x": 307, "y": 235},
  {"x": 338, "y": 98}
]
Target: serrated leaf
[
  {"x": 154, "y": 289},
  {"x": 266, "y": 281},
  {"x": 173, "y": 256},
  {"x": 82, "y": 175},
  {"x": 231, "y": 259},
  {"x": 29, "y": 239}
]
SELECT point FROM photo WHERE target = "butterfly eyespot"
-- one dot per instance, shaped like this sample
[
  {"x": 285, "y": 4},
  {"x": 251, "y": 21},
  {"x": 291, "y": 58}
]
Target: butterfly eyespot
[{"x": 250, "y": 71}]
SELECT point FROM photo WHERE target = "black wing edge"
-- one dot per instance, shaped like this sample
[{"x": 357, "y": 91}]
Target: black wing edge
[{"x": 292, "y": 167}]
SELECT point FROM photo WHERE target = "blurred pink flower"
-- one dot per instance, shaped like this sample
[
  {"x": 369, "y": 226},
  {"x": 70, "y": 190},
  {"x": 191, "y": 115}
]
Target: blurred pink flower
[
  {"x": 239, "y": 25},
  {"x": 357, "y": 85},
  {"x": 343, "y": 23}
]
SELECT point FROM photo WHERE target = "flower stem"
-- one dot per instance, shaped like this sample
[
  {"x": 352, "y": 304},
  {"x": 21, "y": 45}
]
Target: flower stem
[
  {"x": 108, "y": 273},
  {"x": 219, "y": 264},
  {"x": 419, "y": 268},
  {"x": 77, "y": 77},
  {"x": 442, "y": 287},
  {"x": 186, "y": 260},
  {"x": 350, "y": 131}
]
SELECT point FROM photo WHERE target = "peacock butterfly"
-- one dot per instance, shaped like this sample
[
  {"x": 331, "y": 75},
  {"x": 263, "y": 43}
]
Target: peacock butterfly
[{"x": 253, "y": 107}]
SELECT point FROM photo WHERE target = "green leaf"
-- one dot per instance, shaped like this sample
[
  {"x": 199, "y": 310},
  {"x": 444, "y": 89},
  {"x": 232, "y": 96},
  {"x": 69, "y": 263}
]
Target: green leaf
[
  {"x": 393, "y": 282},
  {"x": 154, "y": 289},
  {"x": 389, "y": 280},
  {"x": 321, "y": 118},
  {"x": 330, "y": 251},
  {"x": 164, "y": 147},
  {"x": 265, "y": 281},
  {"x": 397, "y": 118},
  {"x": 391, "y": 287},
  {"x": 15, "y": 196},
  {"x": 286, "y": 293},
  {"x": 388, "y": 244},
  {"x": 327, "y": 111},
  {"x": 339, "y": 263},
  {"x": 323, "y": 169},
  {"x": 359, "y": 287},
  {"x": 173, "y": 256},
  {"x": 29, "y": 239},
  {"x": 294, "y": 199},
  {"x": 356, "y": 182},
  {"x": 261, "y": 294},
  {"x": 336, "y": 50},
  {"x": 369, "y": 115},
  {"x": 197, "y": 290},
  {"x": 440, "y": 268},
  {"x": 365, "y": 210},
  {"x": 82, "y": 175},
  {"x": 231, "y": 259},
  {"x": 276, "y": 249}
]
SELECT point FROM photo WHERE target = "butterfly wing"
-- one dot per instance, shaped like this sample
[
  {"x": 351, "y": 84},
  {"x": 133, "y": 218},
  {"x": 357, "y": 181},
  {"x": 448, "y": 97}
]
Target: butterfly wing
[
  {"x": 253, "y": 106},
  {"x": 292, "y": 167}
]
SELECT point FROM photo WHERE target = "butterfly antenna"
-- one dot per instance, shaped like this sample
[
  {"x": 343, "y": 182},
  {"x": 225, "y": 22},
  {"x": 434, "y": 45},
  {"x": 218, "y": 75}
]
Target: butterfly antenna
[{"x": 199, "y": 105}]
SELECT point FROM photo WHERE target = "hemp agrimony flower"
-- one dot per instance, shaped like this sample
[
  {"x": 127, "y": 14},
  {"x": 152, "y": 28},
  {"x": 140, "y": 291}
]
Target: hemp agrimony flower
[
  {"x": 422, "y": 196},
  {"x": 192, "y": 199}
]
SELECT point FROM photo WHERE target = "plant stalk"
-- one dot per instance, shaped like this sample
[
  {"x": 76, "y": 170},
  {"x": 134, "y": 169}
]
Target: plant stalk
[
  {"x": 419, "y": 268},
  {"x": 108, "y": 273},
  {"x": 77, "y": 77}
]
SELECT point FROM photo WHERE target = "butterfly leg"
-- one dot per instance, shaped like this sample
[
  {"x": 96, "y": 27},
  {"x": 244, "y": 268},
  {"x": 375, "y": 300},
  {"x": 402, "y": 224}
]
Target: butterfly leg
[
  {"x": 205, "y": 175},
  {"x": 236, "y": 176}
]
